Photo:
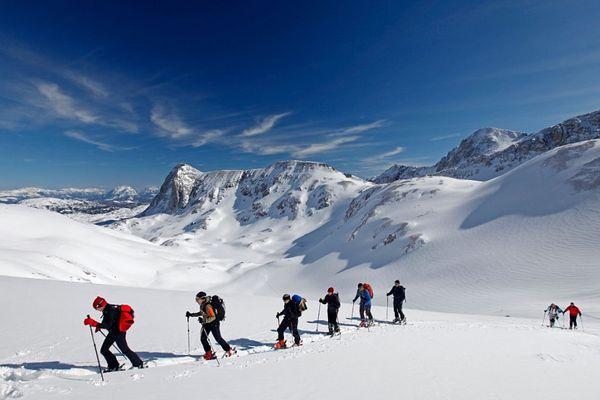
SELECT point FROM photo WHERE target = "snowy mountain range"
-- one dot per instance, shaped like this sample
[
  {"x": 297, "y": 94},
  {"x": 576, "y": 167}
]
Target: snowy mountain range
[
  {"x": 491, "y": 152},
  {"x": 89, "y": 205},
  {"x": 122, "y": 194},
  {"x": 306, "y": 222}
]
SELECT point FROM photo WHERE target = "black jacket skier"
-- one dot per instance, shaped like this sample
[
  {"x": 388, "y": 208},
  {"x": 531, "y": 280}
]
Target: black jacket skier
[
  {"x": 332, "y": 300},
  {"x": 291, "y": 312},
  {"x": 111, "y": 315},
  {"x": 399, "y": 293}
]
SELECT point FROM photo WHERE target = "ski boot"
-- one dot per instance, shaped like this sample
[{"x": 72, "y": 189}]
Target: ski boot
[
  {"x": 362, "y": 324},
  {"x": 113, "y": 369},
  {"x": 209, "y": 355},
  {"x": 230, "y": 352},
  {"x": 298, "y": 344},
  {"x": 281, "y": 344},
  {"x": 396, "y": 321}
]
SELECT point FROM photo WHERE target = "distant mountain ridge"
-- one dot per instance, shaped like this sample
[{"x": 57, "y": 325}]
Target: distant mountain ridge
[
  {"x": 491, "y": 152},
  {"x": 118, "y": 194}
]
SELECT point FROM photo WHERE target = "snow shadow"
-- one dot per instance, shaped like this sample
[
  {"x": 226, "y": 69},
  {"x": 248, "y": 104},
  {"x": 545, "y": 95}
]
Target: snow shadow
[
  {"x": 324, "y": 323},
  {"x": 43, "y": 365},
  {"x": 246, "y": 343},
  {"x": 150, "y": 355}
]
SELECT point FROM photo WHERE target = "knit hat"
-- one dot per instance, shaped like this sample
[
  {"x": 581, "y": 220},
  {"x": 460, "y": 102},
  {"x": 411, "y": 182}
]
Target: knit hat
[
  {"x": 99, "y": 302},
  {"x": 201, "y": 295},
  {"x": 330, "y": 290},
  {"x": 286, "y": 297}
]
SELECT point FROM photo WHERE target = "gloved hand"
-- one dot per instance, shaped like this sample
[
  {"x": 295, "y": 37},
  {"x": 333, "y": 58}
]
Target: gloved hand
[
  {"x": 201, "y": 320},
  {"x": 188, "y": 314},
  {"x": 277, "y": 315},
  {"x": 91, "y": 322},
  {"x": 354, "y": 301},
  {"x": 320, "y": 300}
]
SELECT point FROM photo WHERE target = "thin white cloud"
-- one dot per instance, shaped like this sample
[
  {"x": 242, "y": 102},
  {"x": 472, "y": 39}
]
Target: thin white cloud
[
  {"x": 82, "y": 137},
  {"x": 64, "y": 105},
  {"x": 90, "y": 84},
  {"x": 392, "y": 153},
  {"x": 444, "y": 137},
  {"x": 363, "y": 128},
  {"x": 268, "y": 149},
  {"x": 265, "y": 125},
  {"x": 323, "y": 147},
  {"x": 207, "y": 137},
  {"x": 169, "y": 123}
]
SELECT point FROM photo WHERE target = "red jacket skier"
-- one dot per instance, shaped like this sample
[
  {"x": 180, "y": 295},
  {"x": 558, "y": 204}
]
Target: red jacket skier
[
  {"x": 574, "y": 312},
  {"x": 112, "y": 321}
]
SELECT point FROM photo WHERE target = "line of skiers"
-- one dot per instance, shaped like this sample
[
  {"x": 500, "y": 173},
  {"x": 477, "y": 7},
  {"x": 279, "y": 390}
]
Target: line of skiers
[
  {"x": 553, "y": 313},
  {"x": 117, "y": 319}
]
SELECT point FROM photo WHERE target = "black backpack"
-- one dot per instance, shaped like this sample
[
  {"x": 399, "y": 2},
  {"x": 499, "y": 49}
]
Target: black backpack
[
  {"x": 218, "y": 306},
  {"x": 336, "y": 301}
]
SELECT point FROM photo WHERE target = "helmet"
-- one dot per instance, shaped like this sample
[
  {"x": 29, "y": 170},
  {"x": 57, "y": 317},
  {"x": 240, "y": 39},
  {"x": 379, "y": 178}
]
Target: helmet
[
  {"x": 99, "y": 302},
  {"x": 397, "y": 281},
  {"x": 286, "y": 297},
  {"x": 201, "y": 295},
  {"x": 360, "y": 285},
  {"x": 330, "y": 290}
]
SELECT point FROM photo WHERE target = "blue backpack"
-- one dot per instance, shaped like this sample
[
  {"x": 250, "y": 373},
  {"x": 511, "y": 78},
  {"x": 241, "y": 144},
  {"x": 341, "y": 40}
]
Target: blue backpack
[{"x": 301, "y": 301}]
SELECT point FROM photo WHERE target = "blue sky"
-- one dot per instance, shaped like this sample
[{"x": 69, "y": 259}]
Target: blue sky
[{"x": 118, "y": 93}]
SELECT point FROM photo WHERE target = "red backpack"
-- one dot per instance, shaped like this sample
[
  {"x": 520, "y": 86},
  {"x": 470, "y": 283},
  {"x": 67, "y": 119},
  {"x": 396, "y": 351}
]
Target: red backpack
[
  {"x": 126, "y": 317},
  {"x": 369, "y": 289}
]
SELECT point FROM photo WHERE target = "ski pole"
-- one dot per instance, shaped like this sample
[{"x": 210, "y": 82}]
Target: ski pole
[
  {"x": 210, "y": 345},
  {"x": 544, "y": 318},
  {"x": 581, "y": 320},
  {"x": 115, "y": 346},
  {"x": 188, "y": 335},
  {"x": 387, "y": 305},
  {"x": 352, "y": 315},
  {"x": 319, "y": 317},
  {"x": 96, "y": 351}
]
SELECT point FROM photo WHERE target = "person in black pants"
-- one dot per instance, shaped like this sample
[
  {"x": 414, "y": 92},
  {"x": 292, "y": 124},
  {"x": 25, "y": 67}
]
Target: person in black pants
[
  {"x": 210, "y": 324},
  {"x": 399, "y": 293},
  {"x": 111, "y": 315},
  {"x": 332, "y": 300},
  {"x": 291, "y": 313}
]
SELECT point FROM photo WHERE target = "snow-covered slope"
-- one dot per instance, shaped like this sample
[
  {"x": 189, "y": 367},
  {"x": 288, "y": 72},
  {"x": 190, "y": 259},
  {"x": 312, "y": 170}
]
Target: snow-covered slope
[
  {"x": 491, "y": 152},
  {"x": 453, "y": 240},
  {"x": 458, "y": 244},
  {"x": 42, "y": 244},
  {"x": 46, "y": 352}
]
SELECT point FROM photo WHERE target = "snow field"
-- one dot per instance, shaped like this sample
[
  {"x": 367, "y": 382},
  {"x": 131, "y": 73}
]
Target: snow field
[{"x": 435, "y": 356}]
